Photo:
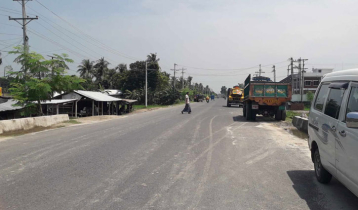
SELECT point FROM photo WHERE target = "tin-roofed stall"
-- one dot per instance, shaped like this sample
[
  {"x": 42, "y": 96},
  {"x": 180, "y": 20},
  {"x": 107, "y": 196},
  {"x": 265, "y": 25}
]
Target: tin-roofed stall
[{"x": 91, "y": 102}]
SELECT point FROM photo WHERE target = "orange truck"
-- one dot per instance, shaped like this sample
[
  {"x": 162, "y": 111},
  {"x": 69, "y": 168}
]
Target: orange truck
[
  {"x": 266, "y": 98},
  {"x": 235, "y": 96}
]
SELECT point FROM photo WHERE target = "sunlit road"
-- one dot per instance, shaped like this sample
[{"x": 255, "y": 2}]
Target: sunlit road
[{"x": 210, "y": 159}]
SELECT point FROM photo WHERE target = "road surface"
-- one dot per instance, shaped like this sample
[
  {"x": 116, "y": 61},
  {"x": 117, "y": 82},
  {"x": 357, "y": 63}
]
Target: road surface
[{"x": 162, "y": 159}]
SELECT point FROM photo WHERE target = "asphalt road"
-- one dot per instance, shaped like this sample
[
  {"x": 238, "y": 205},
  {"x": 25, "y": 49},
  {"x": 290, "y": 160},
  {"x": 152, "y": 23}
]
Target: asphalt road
[{"x": 210, "y": 159}]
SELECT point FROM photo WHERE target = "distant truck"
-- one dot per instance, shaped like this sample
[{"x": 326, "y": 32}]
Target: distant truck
[
  {"x": 235, "y": 96},
  {"x": 266, "y": 98}
]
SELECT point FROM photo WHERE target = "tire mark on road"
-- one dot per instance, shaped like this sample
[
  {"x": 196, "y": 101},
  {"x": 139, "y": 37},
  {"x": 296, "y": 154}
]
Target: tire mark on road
[
  {"x": 165, "y": 188},
  {"x": 205, "y": 175}
]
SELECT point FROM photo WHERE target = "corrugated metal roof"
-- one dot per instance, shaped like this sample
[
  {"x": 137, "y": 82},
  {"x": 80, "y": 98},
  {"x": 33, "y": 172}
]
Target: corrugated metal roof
[
  {"x": 57, "y": 101},
  {"x": 8, "y": 106},
  {"x": 129, "y": 100},
  {"x": 97, "y": 96},
  {"x": 112, "y": 92}
]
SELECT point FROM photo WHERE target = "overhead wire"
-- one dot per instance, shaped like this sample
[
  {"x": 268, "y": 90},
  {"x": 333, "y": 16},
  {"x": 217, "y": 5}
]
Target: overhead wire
[
  {"x": 88, "y": 36},
  {"x": 64, "y": 39},
  {"x": 58, "y": 44}
]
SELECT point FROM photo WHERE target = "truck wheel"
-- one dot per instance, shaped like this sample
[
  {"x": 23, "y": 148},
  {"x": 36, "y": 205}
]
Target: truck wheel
[
  {"x": 244, "y": 109},
  {"x": 253, "y": 115},
  {"x": 322, "y": 174},
  {"x": 283, "y": 115},
  {"x": 278, "y": 115},
  {"x": 248, "y": 111}
]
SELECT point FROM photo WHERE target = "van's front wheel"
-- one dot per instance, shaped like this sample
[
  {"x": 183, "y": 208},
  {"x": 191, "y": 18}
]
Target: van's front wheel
[{"x": 322, "y": 174}]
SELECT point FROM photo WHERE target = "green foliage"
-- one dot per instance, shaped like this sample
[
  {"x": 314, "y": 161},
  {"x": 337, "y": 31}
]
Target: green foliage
[
  {"x": 39, "y": 78},
  {"x": 310, "y": 96},
  {"x": 131, "y": 81}
]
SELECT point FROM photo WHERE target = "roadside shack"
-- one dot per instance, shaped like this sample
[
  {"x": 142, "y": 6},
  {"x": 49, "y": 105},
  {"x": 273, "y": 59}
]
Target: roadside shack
[{"x": 91, "y": 103}]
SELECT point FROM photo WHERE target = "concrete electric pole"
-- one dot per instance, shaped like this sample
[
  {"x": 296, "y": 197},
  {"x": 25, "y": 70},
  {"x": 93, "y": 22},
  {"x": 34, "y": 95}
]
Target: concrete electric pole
[
  {"x": 274, "y": 73},
  {"x": 23, "y": 22},
  {"x": 260, "y": 71},
  {"x": 175, "y": 70},
  {"x": 182, "y": 77}
]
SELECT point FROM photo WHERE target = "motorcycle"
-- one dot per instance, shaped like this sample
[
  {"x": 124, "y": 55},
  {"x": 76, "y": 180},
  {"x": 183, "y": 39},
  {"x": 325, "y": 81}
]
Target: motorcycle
[{"x": 207, "y": 100}]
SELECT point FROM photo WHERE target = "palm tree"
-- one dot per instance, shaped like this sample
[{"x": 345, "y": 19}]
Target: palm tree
[
  {"x": 100, "y": 68},
  {"x": 152, "y": 57},
  {"x": 122, "y": 67},
  {"x": 86, "y": 69}
]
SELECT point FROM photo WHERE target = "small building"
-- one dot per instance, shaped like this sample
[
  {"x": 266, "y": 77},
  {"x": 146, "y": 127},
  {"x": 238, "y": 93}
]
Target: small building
[
  {"x": 9, "y": 109},
  {"x": 311, "y": 81},
  {"x": 91, "y": 103}
]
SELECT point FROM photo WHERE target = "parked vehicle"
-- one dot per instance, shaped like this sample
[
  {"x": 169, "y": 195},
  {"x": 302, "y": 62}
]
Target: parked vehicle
[
  {"x": 333, "y": 129},
  {"x": 265, "y": 98},
  {"x": 235, "y": 96}
]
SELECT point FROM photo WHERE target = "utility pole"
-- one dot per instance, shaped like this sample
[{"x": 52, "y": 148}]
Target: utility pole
[
  {"x": 274, "y": 73},
  {"x": 146, "y": 84},
  {"x": 52, "y": 73},
  {"x": 174, "y": 74},
  {"x": 288, "y": 70},
  {"x": 300, "y": 77},
  {"x": 260, "y": 71},
  {"x": 25, "y": 20},
  {"x": 292, "y": 75},
  {"x": 303, "y": 77},
  {"x": 182, "y": 76}
]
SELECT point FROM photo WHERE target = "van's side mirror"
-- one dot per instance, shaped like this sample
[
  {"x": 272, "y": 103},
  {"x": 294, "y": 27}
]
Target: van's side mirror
[{"x": 352, "y": 120}]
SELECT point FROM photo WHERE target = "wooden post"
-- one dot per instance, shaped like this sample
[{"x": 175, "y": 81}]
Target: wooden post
[
  {"x": 117, "y": 108},
  {"x": 93, "y": 108},
  {"x": 109, "y": 110},
  {"x": 102, "y": 107},
  {"x": 58, "y": 109},
  {"x": 76, "y": 109}
]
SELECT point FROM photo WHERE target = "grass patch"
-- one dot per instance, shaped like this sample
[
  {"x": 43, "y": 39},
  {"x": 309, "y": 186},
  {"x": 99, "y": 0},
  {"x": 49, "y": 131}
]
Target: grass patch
[
  {"x": 307, "y": 107},
  {"x": 290, "y": 115},
  {"x": 72, "y": 121}
]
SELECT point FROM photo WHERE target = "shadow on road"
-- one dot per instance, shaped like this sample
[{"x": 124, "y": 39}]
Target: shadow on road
[
  {"x": 319, "y": 196},
  {"x": 231, "y": 107},
  {"x": 259, "y": 118}
]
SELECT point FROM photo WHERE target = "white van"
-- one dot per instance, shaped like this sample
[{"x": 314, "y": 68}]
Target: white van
[{"x": 333, "y": 129}]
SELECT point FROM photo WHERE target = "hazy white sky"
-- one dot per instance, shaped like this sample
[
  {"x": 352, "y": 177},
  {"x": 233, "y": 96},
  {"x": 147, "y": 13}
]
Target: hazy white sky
[{"x": 206, "y": 34}]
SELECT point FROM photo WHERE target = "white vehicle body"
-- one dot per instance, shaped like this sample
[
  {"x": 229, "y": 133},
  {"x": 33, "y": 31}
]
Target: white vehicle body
[{"x": 333, "y": 129}]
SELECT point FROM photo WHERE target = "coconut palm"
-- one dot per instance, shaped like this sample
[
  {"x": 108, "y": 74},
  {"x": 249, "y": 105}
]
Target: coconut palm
[
  {"x": 86, "y": 69},
  {"x": 100, "y": 68}
]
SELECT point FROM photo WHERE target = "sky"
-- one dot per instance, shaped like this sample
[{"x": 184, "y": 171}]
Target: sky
[{"x": 218, "y": 42}]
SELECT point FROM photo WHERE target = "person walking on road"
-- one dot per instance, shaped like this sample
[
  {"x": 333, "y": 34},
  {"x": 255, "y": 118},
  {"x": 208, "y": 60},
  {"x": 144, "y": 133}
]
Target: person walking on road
[{"x": 187, "y": 104}]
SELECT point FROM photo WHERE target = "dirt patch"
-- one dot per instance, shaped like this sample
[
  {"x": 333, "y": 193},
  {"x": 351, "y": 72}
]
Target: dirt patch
[{"x": 287, "y": 126}]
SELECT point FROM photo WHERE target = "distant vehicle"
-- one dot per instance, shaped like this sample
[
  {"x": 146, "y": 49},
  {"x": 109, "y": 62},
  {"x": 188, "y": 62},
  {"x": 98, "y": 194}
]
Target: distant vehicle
[
  {"x": 199, "y": 98},
  {"x": 266, "y": 98},
  {"x": 333, "y": 129},
  {"x": 235, "y": 96}
]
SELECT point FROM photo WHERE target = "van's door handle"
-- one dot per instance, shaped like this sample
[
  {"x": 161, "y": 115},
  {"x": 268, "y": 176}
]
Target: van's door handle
[
  {"x": 334, "y": 128},
  {"x": 342, "y": 133}
]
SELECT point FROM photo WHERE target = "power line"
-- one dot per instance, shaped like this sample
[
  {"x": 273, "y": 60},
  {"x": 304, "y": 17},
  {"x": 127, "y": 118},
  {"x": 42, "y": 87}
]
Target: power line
[
  {"x": 63, "y": 39},
  {"x": 233, "y": 69},
  {"x": 88, "y": 36},
  {"x": 56, "y": 43},
  {"x": 11, "y": 34},
  {"x": 10, "y": 25}
]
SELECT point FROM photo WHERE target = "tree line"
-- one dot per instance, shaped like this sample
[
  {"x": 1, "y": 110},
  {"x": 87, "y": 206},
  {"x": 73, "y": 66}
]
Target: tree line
[
  {"x": 39, "y": 78},
  {"x": 162, "y": 87}
]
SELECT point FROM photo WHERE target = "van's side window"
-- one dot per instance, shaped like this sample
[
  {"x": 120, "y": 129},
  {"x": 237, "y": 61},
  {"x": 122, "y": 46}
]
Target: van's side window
[
  {"x": 321, "y": 97},
  {"x": 353, "y": 101},
  {"x": 334, "y": 102}
]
